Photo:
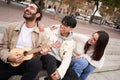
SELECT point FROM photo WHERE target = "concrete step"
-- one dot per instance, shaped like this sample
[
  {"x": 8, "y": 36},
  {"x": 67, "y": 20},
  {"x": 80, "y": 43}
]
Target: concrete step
[
  {"x": 1, "y": 35},
  {"x": 2, "y": 26},
  {"x": 113, "y": 47},
  {"x": 112, "y": 62},
  {"x": 110, "y": 75}
]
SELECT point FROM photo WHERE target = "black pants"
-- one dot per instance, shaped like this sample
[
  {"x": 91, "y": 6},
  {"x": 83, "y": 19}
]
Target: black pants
[
  {"x": 28, "y": 69},
  {"x": 51, "y": 64}
]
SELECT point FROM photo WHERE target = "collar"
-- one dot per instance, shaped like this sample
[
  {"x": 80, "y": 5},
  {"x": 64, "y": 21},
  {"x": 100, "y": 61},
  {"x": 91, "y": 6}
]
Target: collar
[{"x": 20, "y": 24}]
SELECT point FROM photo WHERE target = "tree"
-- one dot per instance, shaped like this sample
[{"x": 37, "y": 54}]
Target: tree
[
  {"x": 73, "y": 4},
  {"x": 61, "y": 1},
  {"x": 41, "y": 4},
  {"x": 8, "y": 1},
  {"x": 111, "y": 3},
  {"x": 113, "y": 9},
  {"x": 96, "y": 6}
]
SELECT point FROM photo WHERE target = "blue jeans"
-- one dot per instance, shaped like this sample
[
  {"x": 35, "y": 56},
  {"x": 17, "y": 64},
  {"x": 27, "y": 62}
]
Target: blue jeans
[{"x": 82, "y": 67}]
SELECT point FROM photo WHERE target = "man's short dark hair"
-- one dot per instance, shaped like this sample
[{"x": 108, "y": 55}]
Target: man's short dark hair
[
  {"x": 69, "y": 21},
  {"x": 39, "y": 10}
]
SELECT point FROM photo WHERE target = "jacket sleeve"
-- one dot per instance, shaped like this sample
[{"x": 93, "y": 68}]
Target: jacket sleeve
[
  {"x": 97, "y": 64},
  {"x": 4, "y": 48},
  {"x": 52, "y": 37},
  {"x": 66, "y": 54},
  {"x": 44, "y": 39}
]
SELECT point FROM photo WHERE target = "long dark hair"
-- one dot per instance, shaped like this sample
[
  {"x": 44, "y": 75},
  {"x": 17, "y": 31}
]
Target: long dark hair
[{"x": 99, "y": 46}]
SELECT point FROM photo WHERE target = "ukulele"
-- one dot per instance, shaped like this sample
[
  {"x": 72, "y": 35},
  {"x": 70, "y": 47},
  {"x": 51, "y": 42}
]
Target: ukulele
[{"x": 27, "y": 52}]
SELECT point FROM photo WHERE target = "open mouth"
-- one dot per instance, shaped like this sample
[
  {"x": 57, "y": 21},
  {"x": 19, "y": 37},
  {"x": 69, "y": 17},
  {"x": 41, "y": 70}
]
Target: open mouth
[{"x": 27, "y": 12}]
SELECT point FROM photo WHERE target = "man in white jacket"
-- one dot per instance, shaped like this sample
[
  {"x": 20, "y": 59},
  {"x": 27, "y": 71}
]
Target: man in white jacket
[{"x": 58, "y": 60}]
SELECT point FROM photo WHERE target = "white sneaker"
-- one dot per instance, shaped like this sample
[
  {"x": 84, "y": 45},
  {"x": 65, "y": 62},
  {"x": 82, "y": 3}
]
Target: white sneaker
[{"x": 42, "y": 78}]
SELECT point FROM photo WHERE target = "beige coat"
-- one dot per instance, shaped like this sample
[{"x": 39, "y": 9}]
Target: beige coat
[{"x": 11, "y": 35}]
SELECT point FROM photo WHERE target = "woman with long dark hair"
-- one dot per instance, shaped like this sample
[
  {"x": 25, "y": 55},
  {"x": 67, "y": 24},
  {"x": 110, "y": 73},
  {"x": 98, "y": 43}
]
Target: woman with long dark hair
[{"x": 92, "y": 56}]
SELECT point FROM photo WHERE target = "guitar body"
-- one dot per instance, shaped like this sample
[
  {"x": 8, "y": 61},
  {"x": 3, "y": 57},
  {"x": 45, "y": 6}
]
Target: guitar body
[{"x": 21, "y": 51}]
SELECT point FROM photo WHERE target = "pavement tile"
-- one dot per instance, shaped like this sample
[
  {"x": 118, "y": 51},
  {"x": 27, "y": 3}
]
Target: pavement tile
[
  {"x": 112, "y": 75},
  {"x": 97, "y": 76}
]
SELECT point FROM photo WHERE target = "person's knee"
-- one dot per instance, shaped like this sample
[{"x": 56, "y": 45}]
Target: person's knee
[
  {"x": 47, "y": 58},
  {"x": 35, "y": 64}
]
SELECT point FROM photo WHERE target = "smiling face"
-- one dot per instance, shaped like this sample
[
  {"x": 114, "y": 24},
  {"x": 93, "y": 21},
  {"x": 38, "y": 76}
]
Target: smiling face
[
  {"x": 93, "y": 39},
  {"x": 68, "y": 23},
  {"x": 30, "y": 12},
  {"x": 64, "y": 30}
]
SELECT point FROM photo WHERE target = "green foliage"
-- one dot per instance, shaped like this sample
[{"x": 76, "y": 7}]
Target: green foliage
[
  {"x": 74, "y": 3},
  {"x": 112, "y": 3},
  {"x": 109, "y": 3}
]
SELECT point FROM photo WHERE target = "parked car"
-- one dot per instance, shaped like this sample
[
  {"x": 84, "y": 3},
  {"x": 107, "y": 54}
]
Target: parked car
[
  {"x": 83, "y": 17},
  {"x": 80, "y": 17},
  {"x": 25, "y": 3},
  {"x": 116, "y": 26},
  {"x": 51, "y": 10}
]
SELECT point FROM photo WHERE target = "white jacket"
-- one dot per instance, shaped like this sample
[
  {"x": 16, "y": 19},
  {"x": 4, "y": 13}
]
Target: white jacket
[{"x": 66, "y": 50}]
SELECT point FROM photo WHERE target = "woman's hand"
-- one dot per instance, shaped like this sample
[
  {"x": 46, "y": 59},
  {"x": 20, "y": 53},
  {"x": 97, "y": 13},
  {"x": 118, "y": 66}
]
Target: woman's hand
[
  {"x": 55, "y": 76},
  {"x": 78, "y": 56},
  {"x": 53, "y": 27}
]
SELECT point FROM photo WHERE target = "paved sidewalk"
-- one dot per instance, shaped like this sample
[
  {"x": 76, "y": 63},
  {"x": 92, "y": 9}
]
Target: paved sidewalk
[
  {"x": 111, "y": 68},
  {"x": 110, "y": 75}
]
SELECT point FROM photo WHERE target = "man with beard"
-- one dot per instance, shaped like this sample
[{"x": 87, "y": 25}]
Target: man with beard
[{"x": 21, "y": 35}]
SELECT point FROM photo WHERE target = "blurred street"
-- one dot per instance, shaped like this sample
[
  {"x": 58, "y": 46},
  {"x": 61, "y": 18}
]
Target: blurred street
[
  {"x": 111, "y": 69},
  {"x": 12, "y": 13}
]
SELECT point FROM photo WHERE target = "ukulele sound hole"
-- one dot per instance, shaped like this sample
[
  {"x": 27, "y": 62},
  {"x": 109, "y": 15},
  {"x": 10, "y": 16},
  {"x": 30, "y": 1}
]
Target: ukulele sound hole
[{"x": 25, "y": 53}]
